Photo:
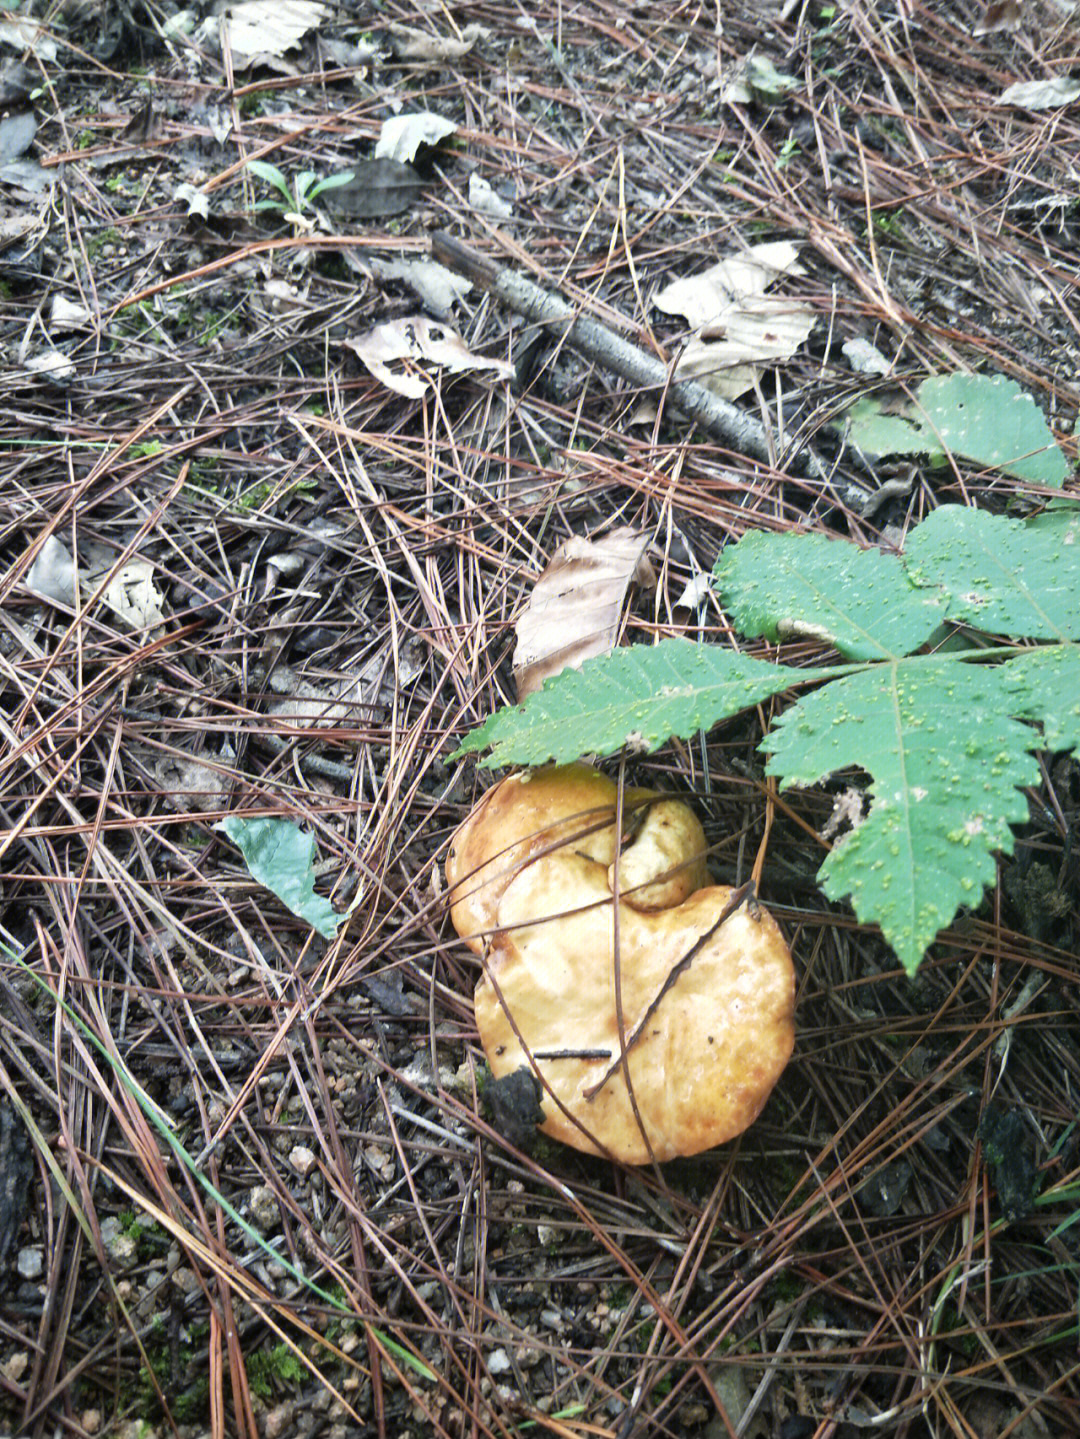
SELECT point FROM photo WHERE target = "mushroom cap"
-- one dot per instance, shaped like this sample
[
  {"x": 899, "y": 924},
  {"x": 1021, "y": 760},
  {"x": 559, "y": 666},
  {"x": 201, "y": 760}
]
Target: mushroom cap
[
  {"x": 532, "y": 813},
  {"x": 720, "y": 1036}
]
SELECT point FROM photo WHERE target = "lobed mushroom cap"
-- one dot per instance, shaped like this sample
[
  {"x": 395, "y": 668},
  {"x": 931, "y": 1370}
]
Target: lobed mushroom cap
[
  {"x": 524, "y": 817},
  {"x": 720, "y": 1036}
]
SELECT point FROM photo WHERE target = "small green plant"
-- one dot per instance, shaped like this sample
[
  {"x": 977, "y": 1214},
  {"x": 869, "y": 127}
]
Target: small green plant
[
  {"x": 145, "y": 449},
  {"x": 889, "y": 222},
  {"x": 788, "y": 150},
  {"x": 930, "y": 701},
  {"x": 258, "y": 494},
  {"x": 295, "y": 199}
]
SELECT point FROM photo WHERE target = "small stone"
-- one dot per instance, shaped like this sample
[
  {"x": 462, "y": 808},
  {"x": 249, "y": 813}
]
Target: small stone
[
  {"x": 547, "y": 1235},
  {"x": 151, "y": 1296},
  {"x": 91, "y": 1420},
  {"x": 302, "y": 1159},
  {"x": 279, "y": 1420},
  {"x": 31, "y": 1263},
  {"x": 121, "y": 1248},
  {"x": 692, "y": 1416},
  {"x": 498, "y": 1361},
  {"x": 185, "y": 1279},
  {"x": 263, "y": 1205},
  {"x": 14, "y": 1368}
]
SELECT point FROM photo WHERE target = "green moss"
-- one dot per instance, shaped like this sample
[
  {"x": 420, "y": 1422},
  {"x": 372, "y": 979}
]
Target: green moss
[
  {"x": 785, "y": 1288},
  {"x": 193, "y": 1405},
  {"x": 269, "y": 1367},
  {"x": 253, "y": 103},
  {"x": 96, "y": 243}
]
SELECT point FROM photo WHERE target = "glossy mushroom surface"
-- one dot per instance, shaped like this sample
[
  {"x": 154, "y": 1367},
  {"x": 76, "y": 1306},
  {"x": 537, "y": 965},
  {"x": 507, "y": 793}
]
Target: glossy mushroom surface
[{"x": 531, "y": 873}]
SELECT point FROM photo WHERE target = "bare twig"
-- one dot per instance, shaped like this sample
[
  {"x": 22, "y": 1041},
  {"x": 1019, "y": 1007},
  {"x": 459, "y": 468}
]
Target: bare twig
[{"x": 722, "y": 419}]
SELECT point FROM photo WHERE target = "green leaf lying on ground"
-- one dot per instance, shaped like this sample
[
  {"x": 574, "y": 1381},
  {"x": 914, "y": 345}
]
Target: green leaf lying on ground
[
  {"x": 281, "y": 856},
  {"x": 947, "y": 738},
  {"x": 985, "y": 418}
]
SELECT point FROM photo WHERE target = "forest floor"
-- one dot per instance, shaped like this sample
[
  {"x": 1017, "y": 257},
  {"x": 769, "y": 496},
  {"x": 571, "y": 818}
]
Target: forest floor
[{"x": 249, "y": 1182}]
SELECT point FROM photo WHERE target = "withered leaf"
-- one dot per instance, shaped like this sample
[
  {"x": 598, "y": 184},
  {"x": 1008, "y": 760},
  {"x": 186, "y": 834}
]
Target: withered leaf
[
  {"x": 1003, "y": 15},
  {"x": 377, "y": 188},
  {"x": 573, "y": 612},
  {"x": 410, "y": 44}
]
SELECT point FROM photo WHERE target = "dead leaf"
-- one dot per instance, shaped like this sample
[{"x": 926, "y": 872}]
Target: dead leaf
[
  {"x": 697, "y": 591},
  {"x": 410, "y": 44},
  {"x": 1003, "y": 15},
  {"x": 187, "y": 784},
  {"x": 17, "y": 81},
  {"x": 708, "y": 296},
  {"x": 347, "y": 702},
  {"x": 756, "y": 78},
  {"x": 144, "y": 127},
  {"x": 65, "y": 314},
  {"x": 1041, "y": 94},
  {"x": 16, "y": 136},
  {"x": 52, "y": 573},
  {"x": 196, "y": 200},
  {"x": 270, "y": 27},
  {"x": 402, "y": 135},
  {"x": 738, "y": 328},
  {"x": 437, "y": 288},
  {"x": 51, "y": 365},
  {"x": 574, "y": 610},
  {"x": 378, "y": 188},
  {"x": 28, "y": 176},
  {"x": 761, "y": 330},
  {"x": 131, "y": 594},
  {"x": 422, "y": 342},
  {"x": 18, "y": 227},
  {"x": 22, "y": 33}
]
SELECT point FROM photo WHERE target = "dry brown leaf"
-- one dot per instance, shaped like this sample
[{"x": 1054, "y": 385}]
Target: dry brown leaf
[
  {"x": 424, "y": 341},
  {"x": 738, "y": 328},
  {"x": 1003, "y": 15},
  {"x": 573, "y": 612},
  {"x": 270, "y": 27},
  {"x": 702, "y": 299},
  {"x": 132, "y": 593},
  {"x": 410, "y": 44},
  {"x": 402, "y": 135}
]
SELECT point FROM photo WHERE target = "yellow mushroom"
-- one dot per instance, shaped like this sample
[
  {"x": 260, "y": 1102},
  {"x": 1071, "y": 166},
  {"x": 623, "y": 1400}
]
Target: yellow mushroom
[{"x": 706, "y": 982}]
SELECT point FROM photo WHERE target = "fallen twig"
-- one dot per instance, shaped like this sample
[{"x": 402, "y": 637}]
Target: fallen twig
[{"x": 722, "y": 419}]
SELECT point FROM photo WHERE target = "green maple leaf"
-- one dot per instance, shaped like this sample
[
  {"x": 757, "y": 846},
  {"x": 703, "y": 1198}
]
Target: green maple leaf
[{"x": 948, "y": 739}]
